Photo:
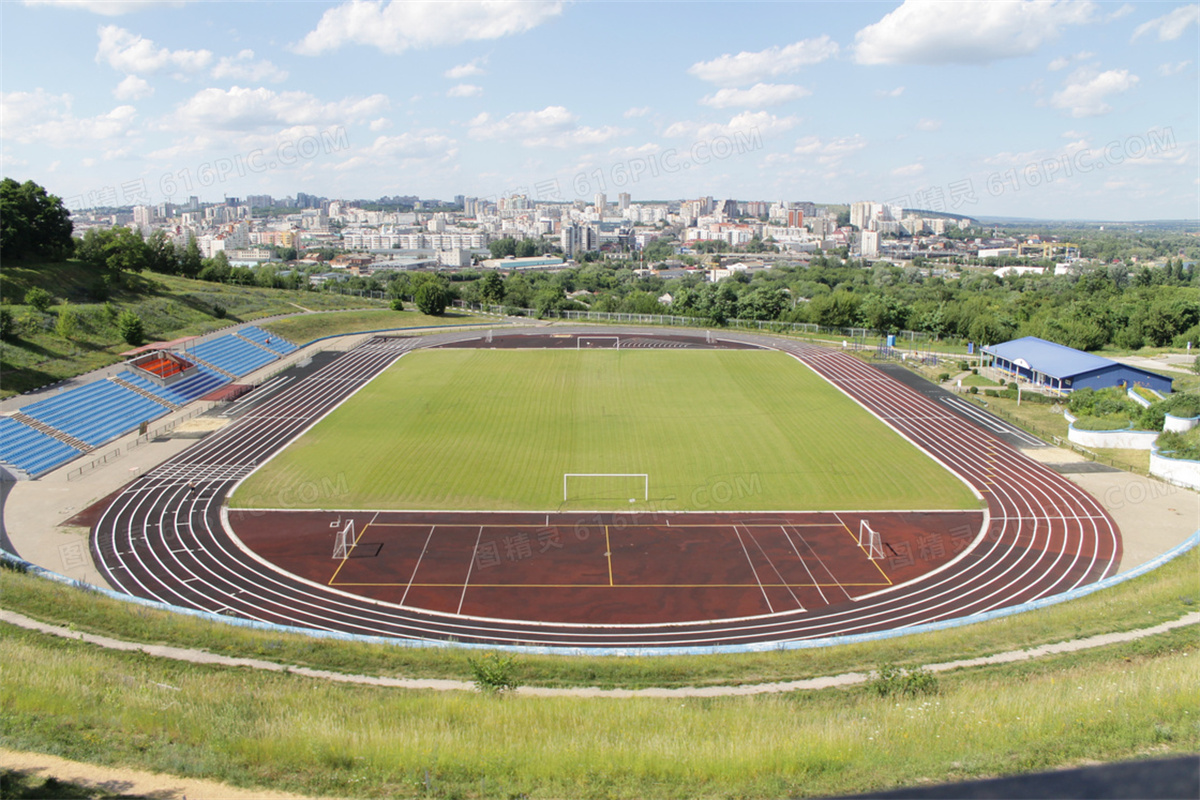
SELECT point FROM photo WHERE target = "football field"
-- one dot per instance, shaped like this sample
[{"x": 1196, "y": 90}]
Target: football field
[{"x": 712, "y": 430}]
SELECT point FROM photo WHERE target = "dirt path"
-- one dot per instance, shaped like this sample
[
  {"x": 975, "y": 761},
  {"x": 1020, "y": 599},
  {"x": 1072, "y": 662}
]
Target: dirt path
[
  {"x": 846, "y": 679},
  {"x": 131, "y": 781}
]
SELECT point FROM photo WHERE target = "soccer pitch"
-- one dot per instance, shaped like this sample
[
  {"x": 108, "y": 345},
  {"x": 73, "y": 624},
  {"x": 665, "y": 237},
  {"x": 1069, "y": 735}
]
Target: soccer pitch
[{"x": 715, "y": 430}]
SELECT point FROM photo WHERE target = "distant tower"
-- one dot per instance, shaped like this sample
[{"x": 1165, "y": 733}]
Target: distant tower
[{"x": 601, "y": 203}]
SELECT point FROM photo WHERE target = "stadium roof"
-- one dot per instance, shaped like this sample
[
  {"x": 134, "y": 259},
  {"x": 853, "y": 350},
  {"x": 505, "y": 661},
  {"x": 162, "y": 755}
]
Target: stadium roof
[{"x": 1048, "y": 358}]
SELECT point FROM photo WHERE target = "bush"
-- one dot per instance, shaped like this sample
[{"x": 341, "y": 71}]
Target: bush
[
  {"x": 130, "y": 327},
  {"x": 39, "y": 298},
  {"x": 219, "y": 311},
  {"x": 892, "y": 680},
  {"x": 1180, "y": 445},
  {"x": 431, "y": 298},
  {"x": 397, "y": 304},
  {"x": 494, "y": 673},
  {"x": 6, "y": 323},
  {"x": 963, "y": 366},
  {"x": 945, "y": 376},
  {"x": 1012, "y": 385},
  {"x": 974, "y": 371},
  {"x": 989, "y": 392},
  {"x": 973, "y": 390},
  {"x": 67, "y": 324}
]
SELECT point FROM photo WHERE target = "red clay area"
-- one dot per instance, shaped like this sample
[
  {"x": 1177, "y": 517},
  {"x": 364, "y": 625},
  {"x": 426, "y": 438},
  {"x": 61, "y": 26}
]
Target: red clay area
[{"x": 608, "y": 569}]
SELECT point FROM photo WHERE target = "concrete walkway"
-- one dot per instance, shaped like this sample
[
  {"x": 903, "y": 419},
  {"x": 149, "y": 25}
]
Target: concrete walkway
[{"x": 846, "y": 679}]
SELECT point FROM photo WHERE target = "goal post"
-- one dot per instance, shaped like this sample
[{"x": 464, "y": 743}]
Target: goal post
[
  {"x": 605, "y": 485},
  {"x": 870, "y": 540},
  {"x": 344, "y": 542},
  {"x": 593, "y": 341}
]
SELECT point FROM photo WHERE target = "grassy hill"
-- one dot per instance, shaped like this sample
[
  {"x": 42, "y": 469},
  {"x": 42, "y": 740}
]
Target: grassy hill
[{"x": 170, "y": 307}]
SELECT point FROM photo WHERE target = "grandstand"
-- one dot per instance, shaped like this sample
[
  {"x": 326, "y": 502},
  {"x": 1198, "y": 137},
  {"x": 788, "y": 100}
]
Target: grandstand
[{"x": 49, "y": 433}]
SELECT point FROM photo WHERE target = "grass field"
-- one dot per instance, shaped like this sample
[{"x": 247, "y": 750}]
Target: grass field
[
  {"x": 304, "y": 329},
  {"x": 497, "y": 429}
]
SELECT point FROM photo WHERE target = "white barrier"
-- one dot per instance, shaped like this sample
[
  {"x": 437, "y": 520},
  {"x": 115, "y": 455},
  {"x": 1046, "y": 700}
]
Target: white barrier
[
  {"x": 1179, "y": 424},
  {"x": 1178, "y": 471},
  {"x": 1123, "y": 440}
]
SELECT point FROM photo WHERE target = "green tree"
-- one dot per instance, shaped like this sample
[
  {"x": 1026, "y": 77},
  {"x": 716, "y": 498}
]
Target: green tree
[
  {"x": 33, "y": 224},
  {"x": 67, "y": 323},
  {"x": 526, "y": 248},
  {"x": 160, "y": 254},
  {"x": 6, "y": 323},
  {"x": 432, "y": 298},
  {"x": 130, "y": 327},
  {"x": 503, "y": 247},
  {"x": 191, "y": 263},
  {"x": 39, "y": 298},
  {"x": 492, "y": 288}
]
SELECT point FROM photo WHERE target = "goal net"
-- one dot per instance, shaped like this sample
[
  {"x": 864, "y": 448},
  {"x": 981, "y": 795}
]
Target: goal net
[
  {"x": 870, "y": 540},
  {"x": 344, "y": 542},
  {"x": 605, "y": 486},
  {"x": 583, "y": 342}
]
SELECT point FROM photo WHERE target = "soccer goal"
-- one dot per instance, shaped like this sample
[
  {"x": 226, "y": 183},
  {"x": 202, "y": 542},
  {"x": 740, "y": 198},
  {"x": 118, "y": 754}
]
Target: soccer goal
[
  {"x": 598, "y": 341},
  {"x": 870, "y": 540},
  {"x": 593, "y": 486},
  {"x": 344, "y": 542}
]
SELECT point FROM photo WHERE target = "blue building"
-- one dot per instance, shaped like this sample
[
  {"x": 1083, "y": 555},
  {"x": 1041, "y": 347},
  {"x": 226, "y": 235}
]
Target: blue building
[{"x": 1065, "y": 369}]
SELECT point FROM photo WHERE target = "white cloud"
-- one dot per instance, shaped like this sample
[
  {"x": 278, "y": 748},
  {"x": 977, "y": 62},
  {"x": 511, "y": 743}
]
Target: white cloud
[
  {"x": 553, "y": 126},
  {"x": 406, "y": 148},
  {"x": 44, "y": 118},
  {"x": 465, "y": 90},
  {"x": 1167, "y": 70},
  {"x": 829, "y": 152},
  {"x": 1086, "y": 89},
  {"x": 1170, "y": 26},
  {"x": 638, "y": 112},
  {"x": 243, "y": 67},
  {"x": 927, "y": 124},
  {"x": 909, "y": 170},
  {"x": 135, "y": 55},
  {"x": 745, "y": 67},
  {"x": 899, "y": 90},
  {"x": 381, "y": 124},
  {"x": 468, "y": 70},
  {"x": 1062, "y": 62},
  {"x": 107, "y": 8},
  {"x": 932, "y": 32},
  {"x": 133, "y": 88},
  {"x": 247, "y": 109},
  {"x": 757, "y": 96},
  {"x": 401, "y": 25},
  {"x": 761, "y": 123}
]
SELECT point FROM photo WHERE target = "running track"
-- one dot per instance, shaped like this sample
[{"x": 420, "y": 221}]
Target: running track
[{"x": 163, "y": 541}]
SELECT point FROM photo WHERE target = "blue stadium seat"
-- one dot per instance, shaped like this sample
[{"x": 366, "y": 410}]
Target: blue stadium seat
[{"x": 32, "y": 450}]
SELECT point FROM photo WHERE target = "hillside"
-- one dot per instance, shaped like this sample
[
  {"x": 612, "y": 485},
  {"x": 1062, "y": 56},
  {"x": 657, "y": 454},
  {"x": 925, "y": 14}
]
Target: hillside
[{"x": 42, "y": 348}]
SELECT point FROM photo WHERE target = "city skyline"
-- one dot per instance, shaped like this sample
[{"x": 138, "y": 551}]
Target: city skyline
[{"x": 1034, "y": 109}]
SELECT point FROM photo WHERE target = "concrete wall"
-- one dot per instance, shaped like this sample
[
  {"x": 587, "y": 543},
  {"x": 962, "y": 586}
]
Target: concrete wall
[
  {"x": 1178, "y": 471},
  {"x": 1179, "y": 424},
  {"x": 1125, "y": 440}
]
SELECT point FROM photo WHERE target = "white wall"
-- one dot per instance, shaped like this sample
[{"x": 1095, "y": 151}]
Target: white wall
[
  {"x": 1125, "y": 440},
  {"x": 1180, "y": 424},
  {"x": 1175, "y": 470}
]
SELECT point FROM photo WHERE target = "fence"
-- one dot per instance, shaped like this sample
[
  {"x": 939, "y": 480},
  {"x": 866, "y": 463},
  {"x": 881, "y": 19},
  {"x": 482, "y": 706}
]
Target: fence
[{"x": 767, "y": 326}]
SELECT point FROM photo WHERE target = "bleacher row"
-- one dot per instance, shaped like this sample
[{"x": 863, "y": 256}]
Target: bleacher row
[{"x": 103, "y": 410}]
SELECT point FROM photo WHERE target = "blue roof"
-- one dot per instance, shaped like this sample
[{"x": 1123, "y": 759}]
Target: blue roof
[{"x": 1055, "y": 360}]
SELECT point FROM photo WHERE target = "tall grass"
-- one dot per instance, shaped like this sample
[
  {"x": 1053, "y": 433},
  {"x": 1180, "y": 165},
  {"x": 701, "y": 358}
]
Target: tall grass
[{"x": 310, "y": 736}]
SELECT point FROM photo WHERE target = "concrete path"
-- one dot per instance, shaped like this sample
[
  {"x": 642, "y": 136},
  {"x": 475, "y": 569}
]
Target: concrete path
[{"x": 846, "y": 679}]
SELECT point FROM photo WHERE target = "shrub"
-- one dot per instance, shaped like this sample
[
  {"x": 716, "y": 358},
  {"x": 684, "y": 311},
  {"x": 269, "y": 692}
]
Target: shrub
[
  {"x": 494, "y": 673},
  {"x": 6, "y": 323},
  {"x": 67, "y": 324},
  {"x": 974, "y": 371},
  {"x": 431, "y": 298},
  {"x": 1180, "y": 445},
  {"x": 39, "y": 298},
  {"x": 945, "y": 376},
  {"x": 397, "y": 304},
  {"x": 989, "y": 392},
  {"x": 219, "y": 311},
  {"x": 892, "y": 680},
  {"x": 973, "y": 390},
  {"x": 130, "y": 327},
  {"x": 963, "y": 366},
  {"x": 1012, "y": 385}
]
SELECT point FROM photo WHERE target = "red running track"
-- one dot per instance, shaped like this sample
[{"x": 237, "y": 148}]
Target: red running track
[{"x": 163, "y": 540}]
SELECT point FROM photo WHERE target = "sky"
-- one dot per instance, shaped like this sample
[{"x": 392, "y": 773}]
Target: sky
[{"x": 1053, "y": 109}]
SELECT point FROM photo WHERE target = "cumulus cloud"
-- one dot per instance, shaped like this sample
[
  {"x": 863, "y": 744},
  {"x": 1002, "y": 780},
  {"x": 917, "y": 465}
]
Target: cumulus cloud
[
  {"x": 761, "y": 123},
  {"x": 247, "y": 109},
  {"x": 638, "y": 112},
  {"x": 465, "y": 90},
  {"x": 133, "y": 88},
  {"x": 909, "y": 170},
  {"x": 468, "y": 70},
  {"x": 45, "y": 118},
  {"x": 1170, "y": 27},
  {"x": 136, "y": 55},
  {"x": 243, "y": 67},
  {"x": 402, "y": 25},
  {"x": 899, "y": 90},
  {"x": 553, "y": 126},
  {"x": 406, "y": 148},
  {"x": 927, "y": 124},
  {"x": 1085, "y": 91},
  {"x": 932, "y": 32},
  {"x": 830, "y": 151},
  {"x": 1169, "y": 69},
  {"x": 747, "y": 67},
  {"x": 757, "y": 96}
]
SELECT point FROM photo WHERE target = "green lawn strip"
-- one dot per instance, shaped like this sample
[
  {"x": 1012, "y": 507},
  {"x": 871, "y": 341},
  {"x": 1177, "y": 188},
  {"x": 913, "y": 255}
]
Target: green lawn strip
[
  {"x": 493, "y": 429},
  {"x": 297, "y": 734},
  {"x": 170, "y": 307},
  {"x": 979, "y": 380},
  {"x": 1165, "y": 594},
  {"x": 306, "y": 328}
]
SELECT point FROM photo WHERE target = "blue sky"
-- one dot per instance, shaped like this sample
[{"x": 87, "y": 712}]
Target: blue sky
[{"x": 1067, "y": 109}]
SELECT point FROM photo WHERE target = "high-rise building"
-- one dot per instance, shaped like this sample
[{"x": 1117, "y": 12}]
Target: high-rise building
[
  {"x": 623, "y": 199},
  {"x": 601, "y": 203},
  {"x": 795, "y": 218}
]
